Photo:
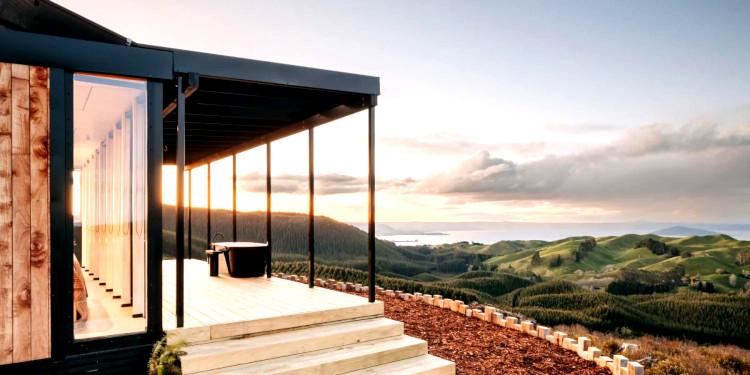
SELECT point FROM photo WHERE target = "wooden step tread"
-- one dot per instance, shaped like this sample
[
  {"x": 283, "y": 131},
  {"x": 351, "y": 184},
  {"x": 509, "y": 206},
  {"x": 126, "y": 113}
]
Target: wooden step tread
[
  {"x": 422, "y": 365},
  {"x": 218, "y": 331},
  {"x": 228, "y": 353},
  {"x": 338, "y": 360}
]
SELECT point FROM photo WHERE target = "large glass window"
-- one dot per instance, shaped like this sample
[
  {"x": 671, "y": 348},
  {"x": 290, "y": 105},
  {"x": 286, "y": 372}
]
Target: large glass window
[{"x": 109, "y": 150}]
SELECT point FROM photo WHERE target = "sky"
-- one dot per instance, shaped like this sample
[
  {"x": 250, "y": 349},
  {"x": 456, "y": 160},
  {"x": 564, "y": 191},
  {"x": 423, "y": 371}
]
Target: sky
[{"x": 533, "y": 111}]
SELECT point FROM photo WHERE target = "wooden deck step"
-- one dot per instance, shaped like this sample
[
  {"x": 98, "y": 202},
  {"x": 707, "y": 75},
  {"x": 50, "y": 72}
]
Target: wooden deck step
[
  {"x": 228, "y": 353},
  {"x": 338, "y": 360},
  {"x": 422, "y": 365},
  {"x": 280, "y": 322}
]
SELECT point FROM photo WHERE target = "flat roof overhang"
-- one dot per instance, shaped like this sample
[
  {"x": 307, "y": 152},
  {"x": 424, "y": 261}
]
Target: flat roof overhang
[{"x": 234, "y": 104}]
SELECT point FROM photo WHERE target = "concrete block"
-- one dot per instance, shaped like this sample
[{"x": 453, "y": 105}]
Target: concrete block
[
  {"x": 551, "y": 338},
  {"x": 629, "y": 348},
  {"x": 469, "y": 312},
  {"x": 527, "y": 326},
  {"x": 543, "y": 331},
  {"x": 428, "y": 300},
  {"x": 635, "y": 368},
  {"x": 462, "y": 309},
  {"x": 488, "y": 311},
  {"x": 593, "y": 353},
  {"x": 455, "y": 304},
  {"x": 418, "y": 295},
  {"x": 479, "y": 315},
  {"x": 510, "y": 321},
  {"x": 425, "y": 297},
  {"x": 619, "y": 361},
  {"x": 570, "y": 344},
  {"x": 447, "y": 303},
  {"x": 560, "y": 337},
  {"x": 496, "y": 317},
  {"x": 583, "y": 344},
  {"x": 437, "y": 300},
  {"x": 603, "y": 361}
]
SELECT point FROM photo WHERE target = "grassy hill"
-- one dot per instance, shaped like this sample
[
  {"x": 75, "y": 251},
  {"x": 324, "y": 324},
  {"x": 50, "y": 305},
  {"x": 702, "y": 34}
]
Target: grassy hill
[
  {"x": 336, "y": 243},
  {"x": 700, "y": 255},
  {"x": 699, "y": 316},
  {"x": 524, "y": 276}
]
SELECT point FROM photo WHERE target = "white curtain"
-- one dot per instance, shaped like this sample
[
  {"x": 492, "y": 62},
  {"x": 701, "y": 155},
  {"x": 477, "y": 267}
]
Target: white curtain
[{"x": 113, "y": 208}]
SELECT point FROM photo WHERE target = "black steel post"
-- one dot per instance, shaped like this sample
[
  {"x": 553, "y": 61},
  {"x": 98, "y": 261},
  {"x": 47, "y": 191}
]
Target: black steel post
[
  {"x": 180, "y": 224},
  {"x": 190, "y": 215},
  {"x": 268, "y": 210},
  {"x": 234, "y": 197},
  {"x": 371, "y": 203},
  {"x": 208, "y": 207},
  {"x": 311, "y": 215}
]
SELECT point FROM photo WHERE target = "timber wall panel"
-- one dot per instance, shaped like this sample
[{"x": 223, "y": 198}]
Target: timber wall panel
[
  {"x": 21, "y": 185},
  {"x": 24, "y": 214},
  {"x": 6, "y": 220},
  {"x": 40, "y": 249}
]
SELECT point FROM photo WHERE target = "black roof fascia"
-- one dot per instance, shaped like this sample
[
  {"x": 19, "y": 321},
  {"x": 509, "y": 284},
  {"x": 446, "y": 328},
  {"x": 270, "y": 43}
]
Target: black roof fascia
[
  {"x": 235, "y": 68},
  {"x": 46, "y": 17},
  {"x": 85, "y": 56}
]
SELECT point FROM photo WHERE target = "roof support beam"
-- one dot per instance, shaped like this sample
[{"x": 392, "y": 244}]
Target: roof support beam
[
  {"x": 192, "y": 87},
  {"x": 311, "y": 214},
  {"x": 312, "y": 121},
  {"x": 190, "y": 215},
  {"x": 268, "y": 210},
  {"x": 180, "y": 224},
  {"x": 234, "y": 197},
  {"x": 209, "y": 240},
  {"x": 371, "y": 202}
]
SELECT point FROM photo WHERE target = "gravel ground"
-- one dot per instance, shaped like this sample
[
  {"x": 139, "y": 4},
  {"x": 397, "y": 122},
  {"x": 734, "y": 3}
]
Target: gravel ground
[{"x": 479, "y": 347}]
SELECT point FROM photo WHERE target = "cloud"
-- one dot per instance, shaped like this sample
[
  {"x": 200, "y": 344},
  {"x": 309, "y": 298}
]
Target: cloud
[
  {"x": 455, "y": 144},
  {"x": 700, "y": 161},
  {"x": 325, "y": 184}
]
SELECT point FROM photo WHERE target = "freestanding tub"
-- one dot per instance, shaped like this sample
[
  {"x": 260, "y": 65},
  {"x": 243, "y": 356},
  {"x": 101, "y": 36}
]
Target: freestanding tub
[{"x": 245, "y": 259}]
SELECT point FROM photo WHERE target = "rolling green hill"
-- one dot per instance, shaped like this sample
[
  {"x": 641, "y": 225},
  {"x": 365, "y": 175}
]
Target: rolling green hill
[
  {"x": 336, "y": 243},
  {"x": 700, "y": 256},
  {"x": 546, "y": 280},
  {"x": 699, "y": 316}
]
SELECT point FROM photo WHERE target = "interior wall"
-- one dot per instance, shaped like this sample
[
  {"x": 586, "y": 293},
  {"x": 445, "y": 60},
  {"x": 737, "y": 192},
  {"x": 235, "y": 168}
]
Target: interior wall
[{"x": 24, "y": 213}]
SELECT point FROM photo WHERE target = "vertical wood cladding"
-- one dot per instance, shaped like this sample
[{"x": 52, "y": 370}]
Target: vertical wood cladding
[{"x": 24, "y": 214}]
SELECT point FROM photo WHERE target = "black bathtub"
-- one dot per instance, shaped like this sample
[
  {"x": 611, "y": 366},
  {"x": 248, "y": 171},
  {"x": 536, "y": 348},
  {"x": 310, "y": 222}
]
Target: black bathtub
[{"x": 246, "y": 259}]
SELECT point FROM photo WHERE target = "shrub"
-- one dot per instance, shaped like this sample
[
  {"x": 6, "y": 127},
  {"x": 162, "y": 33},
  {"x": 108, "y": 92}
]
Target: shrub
[
  {"x": 610, "y": 347},
  {"x": 556, "y": 261},
  {"x": 734, "y": 364},
  {"x": 669, "y": 366},
  {"x": 165, "y": 359}
]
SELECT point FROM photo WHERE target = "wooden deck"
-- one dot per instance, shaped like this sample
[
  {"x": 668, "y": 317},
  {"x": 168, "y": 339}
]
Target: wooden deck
[{"x": 222, "y": 307}]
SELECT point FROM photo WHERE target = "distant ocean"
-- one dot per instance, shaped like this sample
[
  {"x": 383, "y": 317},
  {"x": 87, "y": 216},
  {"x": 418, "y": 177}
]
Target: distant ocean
[{"x": 441, "y": 234}]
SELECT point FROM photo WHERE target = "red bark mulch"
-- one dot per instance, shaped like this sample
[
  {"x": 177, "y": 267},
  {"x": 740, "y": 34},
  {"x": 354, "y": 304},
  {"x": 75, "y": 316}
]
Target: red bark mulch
[{"x": 479, "y": 347}]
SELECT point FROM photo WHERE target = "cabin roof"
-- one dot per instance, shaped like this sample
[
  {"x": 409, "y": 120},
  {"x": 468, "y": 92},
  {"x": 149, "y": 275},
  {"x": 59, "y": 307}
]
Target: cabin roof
[{"x": 233, "y": 103}]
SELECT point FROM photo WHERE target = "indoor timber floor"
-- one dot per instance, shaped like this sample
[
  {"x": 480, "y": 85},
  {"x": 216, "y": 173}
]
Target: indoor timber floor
[
  {"x": 222, "y": 307},
  {"x": 107, "y": 316}
]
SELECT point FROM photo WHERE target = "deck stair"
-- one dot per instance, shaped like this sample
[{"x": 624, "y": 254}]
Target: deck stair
[{"x": 358, "y": 342}]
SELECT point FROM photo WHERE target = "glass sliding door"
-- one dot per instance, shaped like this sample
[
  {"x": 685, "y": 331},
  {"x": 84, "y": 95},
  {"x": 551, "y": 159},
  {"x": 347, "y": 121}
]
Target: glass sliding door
[{"x": 109, "y": 151}]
